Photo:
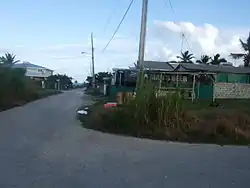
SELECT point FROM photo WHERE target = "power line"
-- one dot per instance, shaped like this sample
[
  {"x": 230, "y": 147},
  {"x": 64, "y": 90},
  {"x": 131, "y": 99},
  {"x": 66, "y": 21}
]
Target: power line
[
  {"x": 170, "y": 4},
  {"x": 188, "y": 44},
  {"x": 119, "y": 25},
  {"x": 111, "y": 15},
  {"x": 183, "y": 36}
]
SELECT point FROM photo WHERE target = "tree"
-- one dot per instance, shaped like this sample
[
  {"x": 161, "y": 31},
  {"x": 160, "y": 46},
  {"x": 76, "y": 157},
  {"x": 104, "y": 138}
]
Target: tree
[
  {"x": 64, "y": 81},
  {"x": 186, "y": 57},
  {"x": 216, "y": 60},
  {"x": 8, "y": 59},
  {"x": 245, "y": 56},
  {"x": 204, "y": 59},
  {"x": 100, "y": 75}
]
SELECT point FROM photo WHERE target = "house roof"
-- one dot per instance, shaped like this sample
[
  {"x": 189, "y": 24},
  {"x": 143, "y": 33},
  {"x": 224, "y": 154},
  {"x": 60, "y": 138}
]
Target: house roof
[
  {"x": 158, "y": 65},
  {"x": 28, "y": 65},
  {"x": 150, "y": 65},
  {"x": 190, "y": 67}
]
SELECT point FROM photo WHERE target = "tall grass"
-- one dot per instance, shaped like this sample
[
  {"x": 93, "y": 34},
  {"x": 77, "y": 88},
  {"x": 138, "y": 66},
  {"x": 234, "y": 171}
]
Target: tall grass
[
  {"x": 146, "y": 115},
  {"x": 170, "y": 118},
  {"x": 156, "y": 113}
]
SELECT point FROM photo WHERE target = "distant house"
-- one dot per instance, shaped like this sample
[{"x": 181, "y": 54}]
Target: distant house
[
  {"x": 228, "y": 82},
  {"x": 34, "y": 71}
]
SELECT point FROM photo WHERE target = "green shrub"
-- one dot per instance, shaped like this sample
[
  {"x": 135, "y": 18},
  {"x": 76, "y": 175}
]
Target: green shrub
[
  {"x": 166, "y": 117},
  {"x": 12, "y": 84},
  {"x": 147, "y": 114},
  {"x": 17, "y": 89},
  {"x": 93, "y": 92}
]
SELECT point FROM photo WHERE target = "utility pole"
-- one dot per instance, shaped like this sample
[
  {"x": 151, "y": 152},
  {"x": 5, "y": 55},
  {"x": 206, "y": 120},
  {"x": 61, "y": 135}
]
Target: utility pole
[
  {"x": 93, "y": 62},
  {"x": 142, "y": 38}
]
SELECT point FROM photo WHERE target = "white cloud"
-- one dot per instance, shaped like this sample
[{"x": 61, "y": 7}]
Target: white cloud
[
  {"x": 203, "y": 39},
  {"x": 163, "y": 43}
]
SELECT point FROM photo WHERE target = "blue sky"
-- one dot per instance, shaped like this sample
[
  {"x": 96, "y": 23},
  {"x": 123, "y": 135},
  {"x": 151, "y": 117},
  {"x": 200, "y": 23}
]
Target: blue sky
[{"x": 52, "y": 33}]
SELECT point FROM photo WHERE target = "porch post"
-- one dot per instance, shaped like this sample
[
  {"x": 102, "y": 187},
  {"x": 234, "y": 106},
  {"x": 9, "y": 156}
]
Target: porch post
[
  {"x": 177, "y": 80},
  {"x": 160, "y": 81},
  {"x": 193, "y": 93},
  {"x": 199, "y": 89},
  {"x": 214, "y": 81},
  {"x": 120, "y": 80},
  {"x": 115, "y": 80}
]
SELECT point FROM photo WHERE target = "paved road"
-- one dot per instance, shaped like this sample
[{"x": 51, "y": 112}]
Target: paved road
[{"x": 43, "y": 146}]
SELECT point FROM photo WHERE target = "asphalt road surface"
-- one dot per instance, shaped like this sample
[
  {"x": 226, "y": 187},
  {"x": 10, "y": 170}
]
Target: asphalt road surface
[{"x": 42, "y": 145}]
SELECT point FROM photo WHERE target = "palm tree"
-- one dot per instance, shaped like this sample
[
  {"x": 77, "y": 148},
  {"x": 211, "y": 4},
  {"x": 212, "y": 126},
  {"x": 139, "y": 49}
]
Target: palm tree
[
  {"x": 246, "y": 56},
  {"x": 8, "y": 59},
  {"x": 204, "y": 59},
  {"x": 216, "y": 60},
  {"x": 186, "y": 57}
]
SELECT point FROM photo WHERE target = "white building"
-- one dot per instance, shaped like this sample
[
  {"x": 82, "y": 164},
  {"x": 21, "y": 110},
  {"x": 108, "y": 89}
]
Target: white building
[{"x": 34, "y": 71}]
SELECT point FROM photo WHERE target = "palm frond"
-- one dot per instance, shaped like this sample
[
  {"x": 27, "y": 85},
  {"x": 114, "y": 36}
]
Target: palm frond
[
  {"x": 248, "y": 42},
  {"x": 8, "y": 59},
  {"x": 17, "y": 61},
  {"x": 217, "y": 56},
  {"x": 186, "y": 53},
  {"x": 190, "y": 56},
  {"x": 244, "y": 45}
]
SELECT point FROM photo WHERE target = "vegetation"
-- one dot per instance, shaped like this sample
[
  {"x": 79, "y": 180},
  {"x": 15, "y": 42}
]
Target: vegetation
[
  {"x": 15, "y": 88},
  {"x": 246, "y": 55},
  {"x": 8, "y": 60},
  {"x": 204, "y": 60},
  {"x": 186, "y": 57},
  {"x": 98, "y": 78},
  {"x": 93, "y": 92},
  {"x": 62, "y": 82},
  {"x": 217, "y": 60},
  {"x": 172, "y": 118}
]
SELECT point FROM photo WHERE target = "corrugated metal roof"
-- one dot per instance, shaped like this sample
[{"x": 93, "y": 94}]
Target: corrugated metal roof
[
  {"x": 212, "y": 68},
  {"x": 28, "y": 65},
  {"x": 191, "y": 67},
  {"x": 158, "y": 65}
]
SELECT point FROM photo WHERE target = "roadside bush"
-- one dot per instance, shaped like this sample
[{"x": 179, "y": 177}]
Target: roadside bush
[
  {"x": 166, "y": 118},
  {"x": 17, "y": 89},
  {"x": 12, "y": 85},
  {"x": 145, "y": 116},
  {"x": 93, "y": 92}
]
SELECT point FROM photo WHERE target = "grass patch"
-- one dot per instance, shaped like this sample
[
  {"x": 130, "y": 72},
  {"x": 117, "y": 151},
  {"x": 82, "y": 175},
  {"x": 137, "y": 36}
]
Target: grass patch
[
  {"x": 171, "y": 118},
  {"x": 27, "y": 96},
  {"x": 93, "y": 92}
]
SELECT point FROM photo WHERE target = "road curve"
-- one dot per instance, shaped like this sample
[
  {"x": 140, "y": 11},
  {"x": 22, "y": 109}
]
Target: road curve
[{"x": 42, "y": 145}]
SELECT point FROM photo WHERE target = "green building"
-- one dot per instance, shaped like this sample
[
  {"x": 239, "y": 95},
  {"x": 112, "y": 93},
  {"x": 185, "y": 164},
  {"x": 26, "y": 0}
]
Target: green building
[{"x": 196, "y": 81}]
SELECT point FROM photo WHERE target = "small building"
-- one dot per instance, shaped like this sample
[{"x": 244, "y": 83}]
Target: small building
[
  {"x": 35, "y": 72},
  {"x": 227, "y": 82},
  {"x": 196, "y": 81}
]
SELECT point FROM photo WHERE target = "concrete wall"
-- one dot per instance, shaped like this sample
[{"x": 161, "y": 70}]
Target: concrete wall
[{"x": 232, "y": 91}]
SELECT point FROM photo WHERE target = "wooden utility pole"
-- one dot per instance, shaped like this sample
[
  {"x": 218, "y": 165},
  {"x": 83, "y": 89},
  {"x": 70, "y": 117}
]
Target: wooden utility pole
[
  {"x": 142, "y": 42},
  {"x": 143, "y": 33},
  {"x": 93, "y": 62}
]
